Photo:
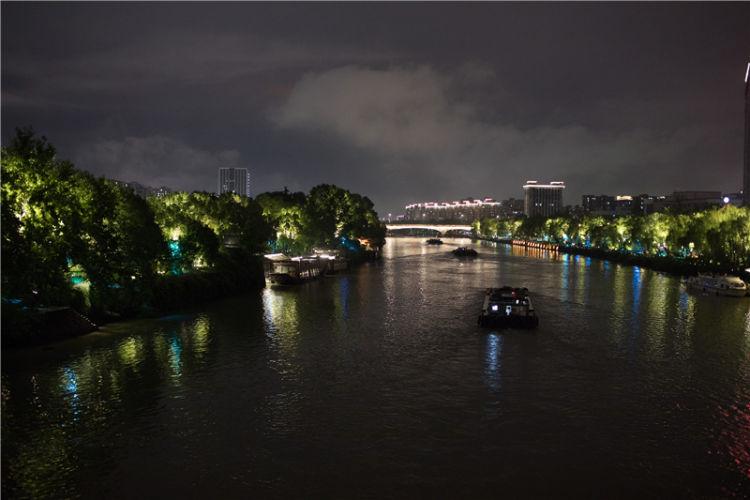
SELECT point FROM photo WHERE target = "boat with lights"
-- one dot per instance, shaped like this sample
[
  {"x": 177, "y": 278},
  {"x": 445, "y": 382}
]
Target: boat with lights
[
  {"x": 508, "y": 307},
  {"x": 283, "y": 270},
  {"x": 718, "y": 284}
]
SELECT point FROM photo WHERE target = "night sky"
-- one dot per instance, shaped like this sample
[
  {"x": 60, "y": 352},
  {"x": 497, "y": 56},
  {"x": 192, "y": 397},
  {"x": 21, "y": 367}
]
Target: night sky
[{"x": 401, "y": 102}]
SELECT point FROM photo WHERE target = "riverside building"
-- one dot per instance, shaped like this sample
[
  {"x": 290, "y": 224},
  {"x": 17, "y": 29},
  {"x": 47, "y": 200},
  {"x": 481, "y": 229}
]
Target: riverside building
[
  {"x": 234, "y": 180},
  {"x": 543, "y": 199}
]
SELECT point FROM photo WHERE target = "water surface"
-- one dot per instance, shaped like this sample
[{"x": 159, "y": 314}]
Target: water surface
[{"x": 379, "y": 383}]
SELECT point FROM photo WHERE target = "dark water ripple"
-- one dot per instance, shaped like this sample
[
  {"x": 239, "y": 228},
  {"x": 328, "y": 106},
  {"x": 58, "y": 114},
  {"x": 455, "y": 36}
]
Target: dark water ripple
[{"x": 378, "y": 383}]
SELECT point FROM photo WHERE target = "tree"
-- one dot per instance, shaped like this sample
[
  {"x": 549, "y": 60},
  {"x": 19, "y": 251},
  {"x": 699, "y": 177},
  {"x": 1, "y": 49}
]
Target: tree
[{"x": 40, "y": 219}]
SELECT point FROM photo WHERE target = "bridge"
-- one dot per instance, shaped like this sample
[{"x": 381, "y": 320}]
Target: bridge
[{"x": 439, "y": 228}]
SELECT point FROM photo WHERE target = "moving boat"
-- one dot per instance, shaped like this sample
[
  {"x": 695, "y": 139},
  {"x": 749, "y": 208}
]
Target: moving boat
[
  {"x": 434, "y": 241},
  {"x": 508, "y": 307},
  {"x": 464, "y": 252},
  {"x": 718, "y": 284}
]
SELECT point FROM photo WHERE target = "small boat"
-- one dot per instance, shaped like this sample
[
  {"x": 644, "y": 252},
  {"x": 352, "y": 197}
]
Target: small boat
[
  {"x": 464, "y": 252},
  {"x": 434, "y": 241},
  {"x": 718, "y": 284},
  {"x": 508, "y": 307}
]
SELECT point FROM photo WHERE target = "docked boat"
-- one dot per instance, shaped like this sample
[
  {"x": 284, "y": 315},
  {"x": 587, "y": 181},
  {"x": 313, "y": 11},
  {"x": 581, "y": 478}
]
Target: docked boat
[
  {"x": 434, "y": 241},
  {"x": 718, "y": 284},
  {"x": 508, "y": 307},
  {"x": 283, "y": 270},
  {"x": 464, "y": 252},
  {"x": 335, "y": 261}
]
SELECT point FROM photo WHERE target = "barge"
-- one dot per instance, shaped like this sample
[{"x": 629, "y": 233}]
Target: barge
[
  {"x": 508, "y": 307},
  {"x": 283, "y": 270}
]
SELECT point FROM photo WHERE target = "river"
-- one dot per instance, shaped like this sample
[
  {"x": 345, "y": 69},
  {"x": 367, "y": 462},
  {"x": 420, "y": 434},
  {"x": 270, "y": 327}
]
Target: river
[{"x": 378, "y": 383}]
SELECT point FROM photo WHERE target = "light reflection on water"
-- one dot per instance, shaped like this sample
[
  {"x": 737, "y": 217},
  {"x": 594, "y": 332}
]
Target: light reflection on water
[
  {"x": 379, "y": 379},
  {"x": 494, "y": 360}
]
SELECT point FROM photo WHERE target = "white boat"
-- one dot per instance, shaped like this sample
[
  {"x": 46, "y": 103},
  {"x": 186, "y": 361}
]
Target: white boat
[{"x": 718, "y": 284}]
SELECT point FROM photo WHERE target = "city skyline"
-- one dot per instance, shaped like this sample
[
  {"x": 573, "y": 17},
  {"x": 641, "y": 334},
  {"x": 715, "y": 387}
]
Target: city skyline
[{"x": 164, "y": 95}]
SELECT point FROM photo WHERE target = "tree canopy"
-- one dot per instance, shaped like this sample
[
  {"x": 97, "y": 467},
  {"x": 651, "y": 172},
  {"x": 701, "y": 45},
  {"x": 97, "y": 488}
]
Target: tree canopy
[
  {"x": 329, "y": 216},
  {"x": 719, "y": 237},
  {"x": 62, "y": 227}
]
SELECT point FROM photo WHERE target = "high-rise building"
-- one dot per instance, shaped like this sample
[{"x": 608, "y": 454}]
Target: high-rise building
[
  {"x": 234, "y": 180},
  {"x": 543, "y": 199},
  {"x": 746, "y": 175}
]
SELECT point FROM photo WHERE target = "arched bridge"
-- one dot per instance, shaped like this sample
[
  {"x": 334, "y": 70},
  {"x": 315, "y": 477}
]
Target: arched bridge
[{"x": 440, "y": 228}]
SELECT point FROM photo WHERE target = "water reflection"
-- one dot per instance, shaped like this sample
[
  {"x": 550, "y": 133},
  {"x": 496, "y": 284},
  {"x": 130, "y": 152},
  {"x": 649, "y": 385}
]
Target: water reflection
[
  {"x": 494, "y": 361},
  {"x": 70, "y": 388},
  {"x": 175, "y": 358},
  {"x": 264, "y": 390},
  {"x": 131, "y": 352}
]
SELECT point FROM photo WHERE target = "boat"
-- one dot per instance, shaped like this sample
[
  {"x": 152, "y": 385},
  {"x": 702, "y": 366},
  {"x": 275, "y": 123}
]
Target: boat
[
  {"x": 508, "y": 307},
  {"x": 283, "y": 270},
  {"x": 464, "y": 252},
  {"x": 434, "y": 241},
  {"x": 335, "y": 261},
  {"x": 718, "y": 284}
]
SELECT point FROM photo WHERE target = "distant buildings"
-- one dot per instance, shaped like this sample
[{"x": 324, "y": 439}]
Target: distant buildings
[
  {"x": 234, "y": 180},
  {"x": 623, "y": 204},
  {"x": 686, "y": 201},
  {"x": 543, "y": 199},
  {"x": 465, "y": 211},
  {"x": 144, "y": 191},
  {"x": 678, "y": 202}
]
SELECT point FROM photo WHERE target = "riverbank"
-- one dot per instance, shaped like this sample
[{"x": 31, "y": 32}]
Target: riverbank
[
  {"x": 24, "y": 326},
  {"x": 29, "y": 326},
  {"x": 671, "y": 265}
]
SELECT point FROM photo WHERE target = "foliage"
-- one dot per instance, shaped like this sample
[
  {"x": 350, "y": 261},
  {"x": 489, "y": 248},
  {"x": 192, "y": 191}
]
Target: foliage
[
  {"x": 328, "y": 216},
  {"x": 62, "y": 227},
  {"x": 718, "y": 237},
  {"x": 41, "y": 216}
]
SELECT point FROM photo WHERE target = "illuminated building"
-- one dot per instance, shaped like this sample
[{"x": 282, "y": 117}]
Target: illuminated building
[
  {"x": 543, "y": 199},
  {"x": 234, "y": 180},
  {"x": 466, "y": 210}
]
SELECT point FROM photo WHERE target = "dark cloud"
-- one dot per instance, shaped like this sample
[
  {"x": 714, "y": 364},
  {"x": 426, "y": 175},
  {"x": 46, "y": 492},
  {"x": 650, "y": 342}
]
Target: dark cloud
[
  {"x": 402, "y": 102},
  {"x": 158, "y": 159}
]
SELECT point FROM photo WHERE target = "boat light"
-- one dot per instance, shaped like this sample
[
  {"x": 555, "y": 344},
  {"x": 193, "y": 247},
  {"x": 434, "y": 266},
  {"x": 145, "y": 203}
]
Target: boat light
[{"x": 494, "y": 307}]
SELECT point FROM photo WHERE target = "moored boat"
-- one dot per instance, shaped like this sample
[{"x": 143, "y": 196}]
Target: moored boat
[
  {"x": 283, "y": 270},
  {"x": 508, "y": 307},
  {"x": 718, "y": 284}
]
